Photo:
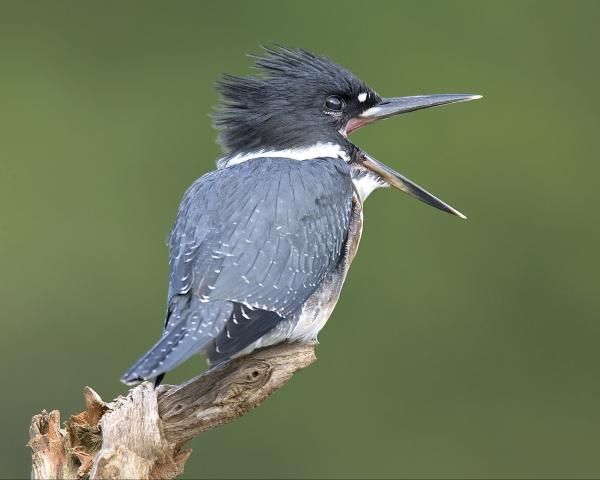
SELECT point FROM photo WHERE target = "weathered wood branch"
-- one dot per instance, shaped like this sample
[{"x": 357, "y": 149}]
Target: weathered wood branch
[{"x": 142, "y": 434}]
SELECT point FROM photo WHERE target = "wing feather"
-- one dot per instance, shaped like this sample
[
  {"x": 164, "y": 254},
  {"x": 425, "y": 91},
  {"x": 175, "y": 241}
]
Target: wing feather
[{"x": 261, "y": 233}]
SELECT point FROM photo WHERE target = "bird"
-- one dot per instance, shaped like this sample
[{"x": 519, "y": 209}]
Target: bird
[{"x": 261, "y": 245}]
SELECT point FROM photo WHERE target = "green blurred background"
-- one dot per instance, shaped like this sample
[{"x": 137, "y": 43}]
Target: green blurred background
[{"x": 458, "y": 349}]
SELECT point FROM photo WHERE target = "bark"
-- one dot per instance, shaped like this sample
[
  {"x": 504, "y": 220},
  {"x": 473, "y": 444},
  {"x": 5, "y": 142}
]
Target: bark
[{"x": 142, "y": 434}]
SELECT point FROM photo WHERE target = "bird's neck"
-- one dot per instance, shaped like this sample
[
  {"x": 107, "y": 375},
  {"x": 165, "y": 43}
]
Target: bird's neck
[
  {"x": 309, "y": 152},
  {"x": 365, "y": 182}
]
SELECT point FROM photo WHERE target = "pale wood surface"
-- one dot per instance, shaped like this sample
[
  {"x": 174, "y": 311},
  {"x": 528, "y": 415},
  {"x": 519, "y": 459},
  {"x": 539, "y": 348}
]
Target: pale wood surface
[{"x": 142, "y": 434}]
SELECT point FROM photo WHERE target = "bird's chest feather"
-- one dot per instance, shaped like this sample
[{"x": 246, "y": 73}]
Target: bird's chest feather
[
  {"x": 355, "y": 230},
  {"x": 319, "y": 306}
]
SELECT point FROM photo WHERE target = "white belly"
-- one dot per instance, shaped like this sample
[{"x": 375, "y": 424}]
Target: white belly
[
  {"x": 305, "y": 325},
  {"x": 318, "y": 308}
]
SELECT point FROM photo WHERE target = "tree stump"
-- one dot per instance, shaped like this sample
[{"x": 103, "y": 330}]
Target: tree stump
[{"x": 142, "y": 434}]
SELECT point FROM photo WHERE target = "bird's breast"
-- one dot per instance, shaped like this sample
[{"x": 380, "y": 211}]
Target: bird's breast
[
  {"x": 319, "y": 306},
  {"x": 354, "y": 230}
]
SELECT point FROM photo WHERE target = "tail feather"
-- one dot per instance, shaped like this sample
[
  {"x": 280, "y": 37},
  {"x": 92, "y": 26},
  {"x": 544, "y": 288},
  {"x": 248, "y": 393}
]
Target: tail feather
[
  {"x": 190, "y": 327},
  {"x": 172, "y": 349}
]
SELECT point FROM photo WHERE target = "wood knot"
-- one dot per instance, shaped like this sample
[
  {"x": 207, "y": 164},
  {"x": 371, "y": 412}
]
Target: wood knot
[
  {"x": 257, "y": 371},
  {"x": 247, "y": 379}
]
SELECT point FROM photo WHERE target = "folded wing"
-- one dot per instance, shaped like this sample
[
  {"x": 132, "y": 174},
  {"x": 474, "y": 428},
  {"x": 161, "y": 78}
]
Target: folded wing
[{"x": 262, "y": 234}]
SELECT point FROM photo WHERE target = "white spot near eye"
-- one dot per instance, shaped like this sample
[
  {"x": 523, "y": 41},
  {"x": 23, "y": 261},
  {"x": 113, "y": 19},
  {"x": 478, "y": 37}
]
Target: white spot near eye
[{"x": 362, "y": 97}]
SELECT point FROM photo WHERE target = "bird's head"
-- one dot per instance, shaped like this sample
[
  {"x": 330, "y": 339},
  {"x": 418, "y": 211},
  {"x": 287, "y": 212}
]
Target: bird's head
[
  {"x": 302, "y": 102},
  {"x": 299, "y": 100}
]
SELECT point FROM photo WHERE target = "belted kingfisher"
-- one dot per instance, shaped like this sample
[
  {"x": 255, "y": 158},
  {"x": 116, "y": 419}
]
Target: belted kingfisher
[{"x": 261, "y": 246}]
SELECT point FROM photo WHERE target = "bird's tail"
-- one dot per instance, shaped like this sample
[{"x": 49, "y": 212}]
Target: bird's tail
[
  {"x": 189, "y": 328},
  {"x": 172, "y": 349}
]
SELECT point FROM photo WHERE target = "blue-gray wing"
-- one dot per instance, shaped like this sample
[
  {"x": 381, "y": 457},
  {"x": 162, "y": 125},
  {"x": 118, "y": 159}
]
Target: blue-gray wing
[
  {"x": 250, "y": 244},
  {"x": 263, "y": 233}
]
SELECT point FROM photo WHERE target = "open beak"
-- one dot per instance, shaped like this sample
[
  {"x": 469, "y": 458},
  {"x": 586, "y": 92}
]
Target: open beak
[
  {"x": 388, "y": 107},
  {"x": 402, "y": 183}
]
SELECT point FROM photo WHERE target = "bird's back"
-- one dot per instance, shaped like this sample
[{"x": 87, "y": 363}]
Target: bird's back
[{"x": 251, "y": 243}]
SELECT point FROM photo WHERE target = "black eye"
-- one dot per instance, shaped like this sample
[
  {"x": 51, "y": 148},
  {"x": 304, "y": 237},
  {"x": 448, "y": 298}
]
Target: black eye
[{"x": 334, "y": 103}]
